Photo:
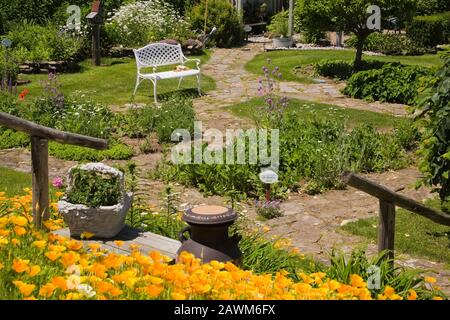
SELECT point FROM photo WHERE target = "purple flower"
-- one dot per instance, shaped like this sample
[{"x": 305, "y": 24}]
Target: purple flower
[{"x": 58, "y": 182}]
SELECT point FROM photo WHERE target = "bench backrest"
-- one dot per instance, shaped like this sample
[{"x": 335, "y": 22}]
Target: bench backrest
[{"x": 159, "y": 54}]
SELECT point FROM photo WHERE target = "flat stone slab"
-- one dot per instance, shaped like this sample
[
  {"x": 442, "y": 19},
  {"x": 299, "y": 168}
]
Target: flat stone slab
[{"x": 147, "y": 242}]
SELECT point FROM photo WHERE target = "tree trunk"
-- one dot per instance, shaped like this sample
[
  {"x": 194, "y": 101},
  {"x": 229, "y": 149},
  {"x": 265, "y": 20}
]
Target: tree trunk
[{"x": 359, "y": 53}]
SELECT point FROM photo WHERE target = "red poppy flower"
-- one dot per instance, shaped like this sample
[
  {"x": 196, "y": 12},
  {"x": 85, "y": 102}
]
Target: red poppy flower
[{"x": 23, "y": 94}]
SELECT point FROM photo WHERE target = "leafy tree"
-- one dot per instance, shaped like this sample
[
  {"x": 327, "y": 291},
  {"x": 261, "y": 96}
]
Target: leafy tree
[
  {"x": 435, "y": 144},
  {"x": 349, "y": 16}
]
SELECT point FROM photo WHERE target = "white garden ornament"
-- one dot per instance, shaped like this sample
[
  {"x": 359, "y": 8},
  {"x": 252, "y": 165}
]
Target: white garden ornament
[
  {"x": 104, "y": 221},
  {"x": 162, "y": 54}
]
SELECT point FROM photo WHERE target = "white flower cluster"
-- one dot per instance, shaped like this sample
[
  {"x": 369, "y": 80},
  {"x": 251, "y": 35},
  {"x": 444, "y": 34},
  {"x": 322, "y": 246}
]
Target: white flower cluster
[{"x": 146, "y": 21}]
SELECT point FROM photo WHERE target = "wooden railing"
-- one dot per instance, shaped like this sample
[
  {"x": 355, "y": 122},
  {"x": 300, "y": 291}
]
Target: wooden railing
[
  {"x": 39, "y": 157},
  {"x": 388, "y": 200}
]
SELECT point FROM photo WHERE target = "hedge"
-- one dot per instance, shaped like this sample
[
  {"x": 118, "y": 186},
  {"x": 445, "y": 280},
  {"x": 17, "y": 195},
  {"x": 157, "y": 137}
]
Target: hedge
[{"x": 431, "y": 30}]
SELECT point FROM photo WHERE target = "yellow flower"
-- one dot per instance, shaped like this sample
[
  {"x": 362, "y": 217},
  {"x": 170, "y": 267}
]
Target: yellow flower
[
  {"x": 20, "y": 265},
  {"x": 412, "y": 294},
  {"x": 29, "y": 298},
  {"x": 153, "y": 290},
  {"x": 24, "y": 288},
  {"x": 356, "y": 281},
  {"x": 119, "y": 243},
  {"x": 134, "y": 247},
  {"x": 47, "y": 290},
  {"x": 73, "y": 296},
  {"x": 430, "y": 279},
  {"x": 20, "y": 231},
  {"x": 86, "y": 235},
  {"x": 69, "y": 258},
  {"x": 53, "y": 255},
  {"x": 437, "y": 298},
  {"x": 34, "y": 270},
  {"x": 59, "y": 194},
  {"x": 40, "y": 244},
  {"x": 94, "y": 246},
  {"x": 3, "y": 241},
  {"x": 178, "y": 296},
  {"x": 56, "y": 248},
  {"x": 15, "y": 241},
  {"x": 60, "y": 282},
  {"x": 19, "y": 221},
  {"x": 74, "y": 245},
  {"x": 1, "y": 266}
]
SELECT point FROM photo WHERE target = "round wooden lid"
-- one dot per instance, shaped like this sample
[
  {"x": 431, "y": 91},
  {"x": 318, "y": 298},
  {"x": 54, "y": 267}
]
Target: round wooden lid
[{"x": 207, "y": 214}]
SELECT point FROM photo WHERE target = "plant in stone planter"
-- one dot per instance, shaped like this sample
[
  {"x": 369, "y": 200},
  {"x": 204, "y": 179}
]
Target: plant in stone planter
[
  {"x": 279, "y": 27},
  {"x": 95, "y": 201}
]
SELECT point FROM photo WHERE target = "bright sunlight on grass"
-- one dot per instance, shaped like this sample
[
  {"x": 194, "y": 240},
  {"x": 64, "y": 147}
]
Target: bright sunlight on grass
[
  {"x": 287, "y": 61},
  {"x": 414, "y": 234},
  {"x": 12, "y": 182},
  {"x": 113, "y": 82},
  {"x": 309, "y": 109}
]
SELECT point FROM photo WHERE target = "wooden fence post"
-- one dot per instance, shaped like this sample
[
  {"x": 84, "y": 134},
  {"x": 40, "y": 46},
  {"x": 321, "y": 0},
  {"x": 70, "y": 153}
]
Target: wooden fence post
[
  {"x": 386, "y": 228},
  {"x": 39, "y": 163}
]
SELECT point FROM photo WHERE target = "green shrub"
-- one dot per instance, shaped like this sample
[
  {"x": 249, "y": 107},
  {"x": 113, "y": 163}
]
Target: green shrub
[
  {"x": 339, "y": 69},
  {"x": 86, "y": 118},
  {"x": 117, "y": 151},
  {"x": 268, "y": 209},
  {"x": 342, "y": 69},
  {"x": 342, "y": 267},
  {"x": 13, "y": 139},
  {"x": 175, "y": 113},
  {"x": 313, "y": 155},
  {"x": 8, "y": 104},
  {"x": 429, "y": 31},
  {"x": 389, "y": 44},
  {"x": 428, "y": 7},
  {"x": 9, "y": 70},
  {"x": 32, "y": 42},
  {"x": 94, "y": 188},
  {"x": 279, "y": 25},
  {"x": 435, "y": 144},
  {"x": 222, "y": 15},
  {"x": 314, "y": 37},
  {"x": 392, "y": 83}
]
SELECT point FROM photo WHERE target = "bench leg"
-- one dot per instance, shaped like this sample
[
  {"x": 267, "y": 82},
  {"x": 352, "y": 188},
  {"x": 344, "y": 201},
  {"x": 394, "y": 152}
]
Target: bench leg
[
  {"x": 179, "y": 82},
  {"x": 154, "y": 90},
  {"x": 198, "y": 85},
  {"x": 137, "y": 85}
]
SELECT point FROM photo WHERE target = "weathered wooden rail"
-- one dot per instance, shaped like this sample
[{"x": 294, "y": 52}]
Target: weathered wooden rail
[
  {"x": 39, "y": 157},
  {"x": 388, "y": 200}
]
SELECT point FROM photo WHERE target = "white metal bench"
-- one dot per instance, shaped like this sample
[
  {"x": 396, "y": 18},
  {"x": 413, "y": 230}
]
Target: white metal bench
[{"x": 163, "y": 54}]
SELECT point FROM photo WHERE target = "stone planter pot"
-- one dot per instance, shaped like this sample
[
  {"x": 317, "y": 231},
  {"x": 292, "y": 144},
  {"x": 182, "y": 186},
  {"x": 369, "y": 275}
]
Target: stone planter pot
[
  {"x": 104, "y": 221},
  {"x": 285, "y": 42}
]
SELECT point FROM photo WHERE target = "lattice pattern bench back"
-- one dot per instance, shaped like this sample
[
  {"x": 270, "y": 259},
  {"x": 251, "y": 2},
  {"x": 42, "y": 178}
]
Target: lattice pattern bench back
[{"x": 159, "y": 54}]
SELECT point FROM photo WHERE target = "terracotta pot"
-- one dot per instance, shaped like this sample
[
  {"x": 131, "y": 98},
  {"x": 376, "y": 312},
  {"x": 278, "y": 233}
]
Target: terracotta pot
[{"x": 208, "y": 230}]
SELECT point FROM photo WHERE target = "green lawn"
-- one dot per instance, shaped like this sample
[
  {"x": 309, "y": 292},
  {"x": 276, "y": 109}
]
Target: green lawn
[
  {"x": 113, "y": 83},
  {"x": 414, "y": 234},
  {"x": 12, "y": 182},
  {"x": 309, "y": 109},
  {"x": 287, "y": 61}
]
